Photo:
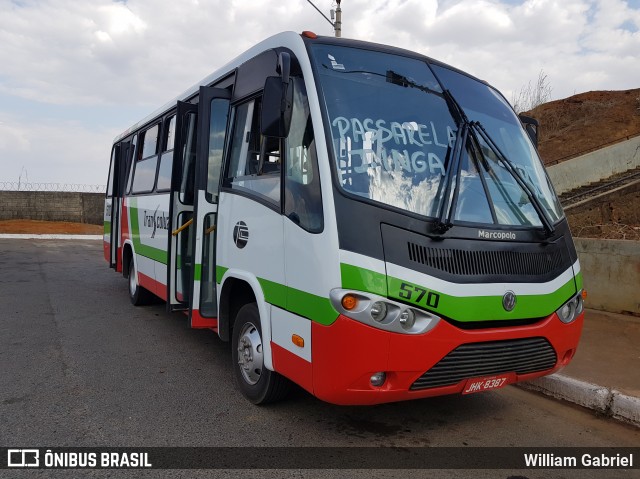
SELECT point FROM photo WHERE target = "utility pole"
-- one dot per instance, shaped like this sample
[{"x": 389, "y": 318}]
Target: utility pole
[{"x": 337, "y": 25}]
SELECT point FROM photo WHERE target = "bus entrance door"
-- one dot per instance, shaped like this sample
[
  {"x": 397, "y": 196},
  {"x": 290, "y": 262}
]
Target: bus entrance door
[
  {"x": 113, "y": 203},
  {"x": 213, "y": 112},
  {"x": 180, "y": 247}
]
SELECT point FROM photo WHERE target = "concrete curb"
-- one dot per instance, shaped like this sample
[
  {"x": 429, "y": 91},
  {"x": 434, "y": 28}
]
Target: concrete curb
[
  {"x": 607, "y": 401},
  {"x": 50, "y": 236}
]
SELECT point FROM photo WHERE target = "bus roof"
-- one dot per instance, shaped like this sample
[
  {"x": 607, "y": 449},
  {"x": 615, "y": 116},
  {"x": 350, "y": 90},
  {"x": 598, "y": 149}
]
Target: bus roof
[
  {"x": 294, "y": 42},
  {"x": 285, "y": 39}
]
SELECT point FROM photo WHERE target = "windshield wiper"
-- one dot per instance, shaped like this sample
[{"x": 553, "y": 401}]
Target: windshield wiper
[
  {"x": 448, "y": 200},
  {"x": 477, "y": 127},
  {"x": 401, "y": 80},
  {"x": 445, "y": 222}
]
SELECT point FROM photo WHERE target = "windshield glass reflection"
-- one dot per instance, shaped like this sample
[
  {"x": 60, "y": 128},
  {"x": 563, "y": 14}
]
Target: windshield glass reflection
[{"x": 393, "y": 134}]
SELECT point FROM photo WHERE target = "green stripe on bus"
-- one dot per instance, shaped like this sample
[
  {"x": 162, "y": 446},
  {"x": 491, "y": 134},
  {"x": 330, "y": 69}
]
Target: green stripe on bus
[
  {"x": 143, "y": 249},
  {"x": 579, "y": 281},
  {"x": 304, "y": 304},
  {"x": 362, "y": 279},
  {"x": 274, "y": 293},
  {"x": 107, "y": 227},
  {"x": 299, "y": 302},
  {"x": 310, "y": 306},
  {"x": 197, "y": 272},
  {"x": 459, "y": 308},
  {"x": 481, "y": 308},
  {"x": 220, "y": 271}
]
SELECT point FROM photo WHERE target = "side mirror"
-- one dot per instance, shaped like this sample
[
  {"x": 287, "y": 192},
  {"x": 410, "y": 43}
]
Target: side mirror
[
  {"x": 277, "y": 107},
  {"x": 531, "y": 125}
]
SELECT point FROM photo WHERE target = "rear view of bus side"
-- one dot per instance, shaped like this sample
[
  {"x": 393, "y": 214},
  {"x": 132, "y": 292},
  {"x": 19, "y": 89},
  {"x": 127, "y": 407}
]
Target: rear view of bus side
[{"x": 361, "y": 220}]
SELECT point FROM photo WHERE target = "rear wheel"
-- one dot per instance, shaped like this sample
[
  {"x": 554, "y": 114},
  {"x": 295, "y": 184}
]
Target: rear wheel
[
  {"x": 137, "y": 293},
  {"x": 257, "y": 383}
]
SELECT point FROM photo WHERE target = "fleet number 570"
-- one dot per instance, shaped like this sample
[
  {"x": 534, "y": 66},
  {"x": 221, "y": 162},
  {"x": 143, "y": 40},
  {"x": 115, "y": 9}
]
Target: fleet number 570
[{"x": 416, "y": 294}]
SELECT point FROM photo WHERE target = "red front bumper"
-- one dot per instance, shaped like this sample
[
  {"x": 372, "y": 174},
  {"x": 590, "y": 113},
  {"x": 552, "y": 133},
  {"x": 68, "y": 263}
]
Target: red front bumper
[{"x": 347, "y": 353}]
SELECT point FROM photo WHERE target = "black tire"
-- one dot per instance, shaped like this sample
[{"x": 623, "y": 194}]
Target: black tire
[
  {"x": 137, "y": 294},
  {"x": 258, "y": 384}
]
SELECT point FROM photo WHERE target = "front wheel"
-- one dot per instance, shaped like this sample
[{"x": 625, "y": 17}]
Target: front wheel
[
  {"x": 137, "y": 293},
  {"x": 257, "y": 383}
]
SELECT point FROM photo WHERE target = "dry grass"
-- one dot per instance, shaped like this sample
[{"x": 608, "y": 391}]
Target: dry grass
[{"x": 48, "y": 227}]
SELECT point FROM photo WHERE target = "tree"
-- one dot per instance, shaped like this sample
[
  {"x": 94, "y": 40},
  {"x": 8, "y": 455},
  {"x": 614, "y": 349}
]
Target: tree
[{"x": 532, "y": 95}]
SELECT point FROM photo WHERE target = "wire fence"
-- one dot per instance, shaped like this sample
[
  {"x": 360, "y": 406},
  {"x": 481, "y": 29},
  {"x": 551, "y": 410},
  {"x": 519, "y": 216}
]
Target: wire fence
[{"x": 62, "y": 187}]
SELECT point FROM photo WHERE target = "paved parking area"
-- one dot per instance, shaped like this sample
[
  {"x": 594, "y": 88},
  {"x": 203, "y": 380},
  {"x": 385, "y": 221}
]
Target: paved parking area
[{"x": 80, "y": 366}]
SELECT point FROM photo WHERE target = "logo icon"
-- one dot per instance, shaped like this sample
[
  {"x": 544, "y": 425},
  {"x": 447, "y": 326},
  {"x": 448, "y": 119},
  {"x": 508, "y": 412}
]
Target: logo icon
[
  {"x": 241, "y": 234},
  {"x": 509, "y": 301},
  {"x": 23, "y": 458},
  {"x": 334, "y": 64}
]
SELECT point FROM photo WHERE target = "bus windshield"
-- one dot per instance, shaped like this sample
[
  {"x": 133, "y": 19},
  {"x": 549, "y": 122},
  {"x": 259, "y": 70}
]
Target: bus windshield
[{"x": 393, "y": 133}]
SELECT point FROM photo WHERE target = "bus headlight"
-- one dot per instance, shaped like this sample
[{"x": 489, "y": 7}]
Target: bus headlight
[
  {"x": 378, "y": 311},
  {"x": 570, "y": 310},
  {"x": 382, "y": 313},
  {"x": 407, "y": 319}
]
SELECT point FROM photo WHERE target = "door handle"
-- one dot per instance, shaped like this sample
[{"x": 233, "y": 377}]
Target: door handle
[{"x": 186, "y": 225}]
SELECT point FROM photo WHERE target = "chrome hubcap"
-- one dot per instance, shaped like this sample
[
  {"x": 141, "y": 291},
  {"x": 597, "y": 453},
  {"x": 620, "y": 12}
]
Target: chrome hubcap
[
  {"x": 250, "y": 357},
  {"x": 133, "y": 280}
]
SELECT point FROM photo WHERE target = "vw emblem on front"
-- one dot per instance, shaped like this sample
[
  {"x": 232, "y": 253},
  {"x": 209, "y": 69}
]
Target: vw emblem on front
[
  {"x": 241, "y": 234},
  {"x": 509, "y": 301}
]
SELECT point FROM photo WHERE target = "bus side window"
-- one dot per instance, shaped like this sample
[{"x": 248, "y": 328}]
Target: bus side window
[
  {"x": 131, "y": 156},
  {"x": 166, "y": 159},
  {"x": 303, "y": 200},
  {"x": 111, "y": 170},
  {"x": 144, "y": 174},
  {"x": 187, "y": 169},
  {"x": 248, "y": 147}
]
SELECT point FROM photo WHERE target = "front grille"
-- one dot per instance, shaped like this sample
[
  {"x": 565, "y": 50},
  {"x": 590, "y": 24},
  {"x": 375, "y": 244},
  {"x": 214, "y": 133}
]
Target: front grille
[
  {"x": 482, "y": 262},
  {"x": 522, "y": 356}
]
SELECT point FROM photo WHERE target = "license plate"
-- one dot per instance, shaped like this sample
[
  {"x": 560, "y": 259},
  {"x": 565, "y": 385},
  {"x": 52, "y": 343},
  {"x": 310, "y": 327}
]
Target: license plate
[{"x": 477, "y": 385}]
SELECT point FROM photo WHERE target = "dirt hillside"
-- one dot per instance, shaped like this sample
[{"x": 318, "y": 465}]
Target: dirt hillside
[{"x": 585, "y": 122}]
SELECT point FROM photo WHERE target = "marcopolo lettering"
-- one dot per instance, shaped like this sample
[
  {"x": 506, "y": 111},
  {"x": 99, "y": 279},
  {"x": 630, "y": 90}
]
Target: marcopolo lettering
[{"x": 496, "y": 235}]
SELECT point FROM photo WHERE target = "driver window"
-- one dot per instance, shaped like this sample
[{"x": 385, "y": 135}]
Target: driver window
[
  {"x": 255, "y": 160},
  {"x": 303, "y": 200}
]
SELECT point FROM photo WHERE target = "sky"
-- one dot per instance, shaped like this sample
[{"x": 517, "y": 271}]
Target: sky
[{"x": 74, "y": 74}]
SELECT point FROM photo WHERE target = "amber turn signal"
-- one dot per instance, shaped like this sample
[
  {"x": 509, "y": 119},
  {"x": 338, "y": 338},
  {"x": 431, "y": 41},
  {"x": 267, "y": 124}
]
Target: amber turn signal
[
  {"x": 297, "y": 340},
  {"x": 349, "y": 302}
]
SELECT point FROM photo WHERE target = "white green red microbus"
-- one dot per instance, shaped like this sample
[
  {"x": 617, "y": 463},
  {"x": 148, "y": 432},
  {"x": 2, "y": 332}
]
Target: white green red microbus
[{"x": 366, "y": 222}]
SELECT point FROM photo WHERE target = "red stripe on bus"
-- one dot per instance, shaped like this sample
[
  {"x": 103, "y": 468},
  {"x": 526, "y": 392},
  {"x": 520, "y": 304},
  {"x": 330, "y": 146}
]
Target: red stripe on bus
[
  {"x": 293, "y": 367},
  {"x": 200, "y": 322},
  {"x": 147, "y": 282},
  {"x": 124, "y": 234}
]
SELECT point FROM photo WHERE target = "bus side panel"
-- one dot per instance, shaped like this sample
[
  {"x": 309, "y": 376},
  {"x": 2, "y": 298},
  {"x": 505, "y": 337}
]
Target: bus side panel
[
  {"x": 292, "y": 359},
  {"x": 106, "y": 234},
  {"x": 249, "y": 239},
  {"x": 125, "y": 229},
  {"x": 148, "y": 219}
]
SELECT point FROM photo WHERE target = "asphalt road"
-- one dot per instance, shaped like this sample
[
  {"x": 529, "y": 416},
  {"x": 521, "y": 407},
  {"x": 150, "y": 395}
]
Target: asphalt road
[{"x": 80, "y": 366}]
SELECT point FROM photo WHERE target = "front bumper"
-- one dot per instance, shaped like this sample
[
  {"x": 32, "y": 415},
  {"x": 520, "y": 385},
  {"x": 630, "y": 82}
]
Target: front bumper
[{"x": 347, "y": 353}]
